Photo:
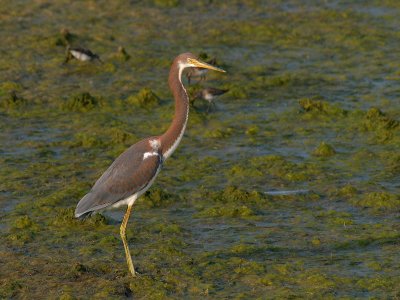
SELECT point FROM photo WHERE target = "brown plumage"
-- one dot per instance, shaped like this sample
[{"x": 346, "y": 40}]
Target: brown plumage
[
  {"x": 134, "y": 171},
  {"x": 130, "y": 173}
]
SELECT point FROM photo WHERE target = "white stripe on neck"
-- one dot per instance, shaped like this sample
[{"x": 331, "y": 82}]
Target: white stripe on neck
[{"x": 178, "y": 140}]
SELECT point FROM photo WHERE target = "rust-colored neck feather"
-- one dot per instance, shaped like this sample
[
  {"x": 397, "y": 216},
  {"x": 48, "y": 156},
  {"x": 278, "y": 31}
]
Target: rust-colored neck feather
[{"x": 171, "y": 138}]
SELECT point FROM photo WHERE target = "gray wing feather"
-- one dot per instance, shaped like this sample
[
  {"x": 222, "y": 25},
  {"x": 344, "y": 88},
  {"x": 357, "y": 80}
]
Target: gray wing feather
[{"x": 127, "y": 175}]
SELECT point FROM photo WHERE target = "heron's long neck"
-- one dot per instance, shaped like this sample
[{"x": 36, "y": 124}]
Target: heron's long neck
[{"x": 171, "y": 138}]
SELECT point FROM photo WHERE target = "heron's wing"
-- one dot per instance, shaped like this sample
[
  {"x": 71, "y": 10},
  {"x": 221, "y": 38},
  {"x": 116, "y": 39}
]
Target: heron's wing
[{"x": 130, "y": 173}]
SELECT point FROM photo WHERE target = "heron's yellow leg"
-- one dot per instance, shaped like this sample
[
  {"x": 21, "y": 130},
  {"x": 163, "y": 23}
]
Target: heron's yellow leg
[{"x": 123, "y": 236}]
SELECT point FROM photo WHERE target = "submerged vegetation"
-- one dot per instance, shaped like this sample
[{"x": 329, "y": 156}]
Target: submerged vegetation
[
  {"x": 13, "y": 101},
  {"x": 324, "y": 150},
  {"x": 81, "y": 102},
  {"x": 320, "y": 106},
  {"x": 144, "y": 98},
  {"x": 289, "y": 188}
]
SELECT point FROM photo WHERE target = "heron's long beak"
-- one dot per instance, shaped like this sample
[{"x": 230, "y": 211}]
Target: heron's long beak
[{"x": 200, "y": 64}]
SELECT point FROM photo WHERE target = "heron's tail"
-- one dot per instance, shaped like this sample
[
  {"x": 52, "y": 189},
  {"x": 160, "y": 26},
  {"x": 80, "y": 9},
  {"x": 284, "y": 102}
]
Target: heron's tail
[{"x": 83, "y": 209}]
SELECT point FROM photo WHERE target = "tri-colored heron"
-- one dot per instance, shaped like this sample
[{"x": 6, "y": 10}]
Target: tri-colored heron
[
  {"x": 199, "y": 72},
  {"x": 134, "y": 171},
  {"x": 209, "y": 94},
  {"x": 81, "y": 54}
]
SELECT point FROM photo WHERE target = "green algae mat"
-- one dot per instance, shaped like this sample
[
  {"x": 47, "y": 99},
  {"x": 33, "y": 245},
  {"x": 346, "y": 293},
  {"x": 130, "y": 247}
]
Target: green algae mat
[{"x": 313, "y": 106}]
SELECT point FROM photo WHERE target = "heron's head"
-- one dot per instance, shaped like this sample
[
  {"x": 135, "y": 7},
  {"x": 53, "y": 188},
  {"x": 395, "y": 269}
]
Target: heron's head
[{"x": 189, "y": 60}]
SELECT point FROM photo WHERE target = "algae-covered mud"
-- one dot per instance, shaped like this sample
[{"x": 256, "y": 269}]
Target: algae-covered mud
[{"x": 313, "y": 106}]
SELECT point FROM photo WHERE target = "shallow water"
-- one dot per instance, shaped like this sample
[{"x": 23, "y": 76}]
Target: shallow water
[{"x": 313, "y": 106}]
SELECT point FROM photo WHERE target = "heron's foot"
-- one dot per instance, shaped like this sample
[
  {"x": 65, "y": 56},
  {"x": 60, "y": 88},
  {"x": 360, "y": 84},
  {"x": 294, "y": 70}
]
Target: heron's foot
[
  {"x": 131, "y": 268},
  {"x": 135, "y": 273}
]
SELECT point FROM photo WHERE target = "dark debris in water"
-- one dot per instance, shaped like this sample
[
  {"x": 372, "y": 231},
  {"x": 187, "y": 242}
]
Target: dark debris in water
[
  {"x": 13, "y": 101},
  {"x": 65, "y": 38}
]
